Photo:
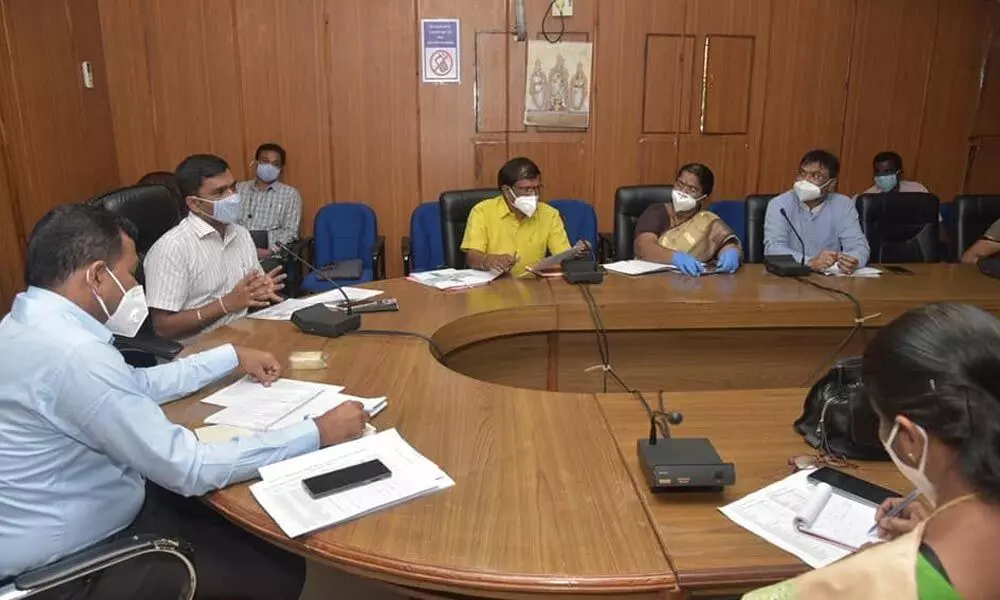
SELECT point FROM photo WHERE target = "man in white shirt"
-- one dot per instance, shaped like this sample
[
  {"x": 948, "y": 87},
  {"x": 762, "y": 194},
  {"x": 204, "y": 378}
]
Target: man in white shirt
[
  {"x": 204, "y": 272},
  {"x": 268, "y": 204},
  {"x": 888, "y": 168}
]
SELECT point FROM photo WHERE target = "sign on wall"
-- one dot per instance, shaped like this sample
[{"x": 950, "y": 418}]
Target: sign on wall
[{"x": 440, "y": 41}]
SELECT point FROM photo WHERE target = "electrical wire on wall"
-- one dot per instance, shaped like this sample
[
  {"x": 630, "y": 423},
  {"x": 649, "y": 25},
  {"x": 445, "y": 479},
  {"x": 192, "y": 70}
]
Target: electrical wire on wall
[{"x": 562, "y": 24}]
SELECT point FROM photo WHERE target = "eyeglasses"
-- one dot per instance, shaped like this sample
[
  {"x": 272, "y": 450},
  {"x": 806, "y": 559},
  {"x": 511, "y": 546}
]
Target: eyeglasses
[
  {"x": 816, "y": 177},
  {"x": 687, "y": 189},
  {"x": 813, "y": 461},
  {"x": 528, "y": 191}
]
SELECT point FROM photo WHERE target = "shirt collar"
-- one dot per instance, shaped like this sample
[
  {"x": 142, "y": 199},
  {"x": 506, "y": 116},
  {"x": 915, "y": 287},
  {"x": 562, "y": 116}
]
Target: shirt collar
[
  {"x": 203, "y": 229},
  {"x": 39, "y": 303},
  {"x": 506, "y": 210}
]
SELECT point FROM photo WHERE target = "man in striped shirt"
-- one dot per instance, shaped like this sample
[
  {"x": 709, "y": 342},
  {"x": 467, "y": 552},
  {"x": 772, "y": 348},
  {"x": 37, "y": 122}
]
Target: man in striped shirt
[
  {"x": 268, "y": 204},
  {"x": 204, "y": 272}
]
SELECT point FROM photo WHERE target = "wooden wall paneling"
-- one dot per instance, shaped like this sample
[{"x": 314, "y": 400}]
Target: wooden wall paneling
[
  {"x": 374, "y": 112},
  {"x": 891, "y": 58},
  {"x": 449, "y": 120},
  {"x": 952, "y": 96},
  {"x": 488, "y": 156},
  {"x": 984, "y": 168},
  {"x": 11, "y": 235},
  {"x": 988, "y": 113},
  {"x": 130, "y": 90},
  {"x": 727, "y": 92},
  {"x": 282, "y": 57},
  {"x": 668, "y": 73},
  {"x": 564, "y": 161},
  {"x": 616, "y": 110},
  {"x": 808, "y": 67},
  {"x": 60, "y": 135},
  {"x": 195, "y": 73},
  {"x": 659, "y": 159}
]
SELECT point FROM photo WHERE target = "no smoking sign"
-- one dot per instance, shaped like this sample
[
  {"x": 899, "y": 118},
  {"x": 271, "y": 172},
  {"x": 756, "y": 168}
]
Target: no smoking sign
[{"x": 440, "y": 42}]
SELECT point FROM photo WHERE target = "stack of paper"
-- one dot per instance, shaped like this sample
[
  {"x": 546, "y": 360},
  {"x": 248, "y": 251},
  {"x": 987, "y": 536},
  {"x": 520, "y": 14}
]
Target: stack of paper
[
  {"x": 253, "y": 407},
  {"x": 283, "y": 310},
  {"x": 454, "y": 279},
  {"x": 776, "y": 512},
  {"x": 637, "y": 267},
  {"x": 868, "y": 272},
  {"x": 283, "y": 496}
]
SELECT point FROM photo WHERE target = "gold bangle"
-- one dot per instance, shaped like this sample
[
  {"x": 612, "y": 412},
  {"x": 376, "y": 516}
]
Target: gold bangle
[
  {"x": 197, "y": 313},
  {"x": 223, "y": 305}
]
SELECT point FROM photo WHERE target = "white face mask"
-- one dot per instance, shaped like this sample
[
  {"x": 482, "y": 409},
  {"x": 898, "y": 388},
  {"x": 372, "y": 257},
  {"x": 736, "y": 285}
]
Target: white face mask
[
  {"x": 683, "y": 201},
  {"x": 916, "y": 475},
  {"x": 808, "y": 191},
  {"x": 526, "y": 204},
  {"x": 131, "y": 311}
]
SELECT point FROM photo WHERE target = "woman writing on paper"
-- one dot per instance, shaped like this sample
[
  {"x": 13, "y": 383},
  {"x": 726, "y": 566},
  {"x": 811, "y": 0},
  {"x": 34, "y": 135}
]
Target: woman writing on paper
[
  {"x": 682, "y": 234},
  {"x": 934, "y": 378}
]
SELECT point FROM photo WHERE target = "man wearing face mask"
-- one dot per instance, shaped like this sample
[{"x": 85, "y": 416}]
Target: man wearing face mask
[
  {"x": 932, "y": 379},
  {"x": 204, "y": 272},
  {"x": 827, "y": 222},
  {"x": 268, "y": 204},
  {"x": 888, "y": 174},
  {"x": 512, "y": 231},
  {"x": 87, "y": 454}
]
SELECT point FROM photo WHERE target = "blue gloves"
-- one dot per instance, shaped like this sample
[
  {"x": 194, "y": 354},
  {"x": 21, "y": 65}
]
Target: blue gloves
[
  {"x": 729, "y": 260},
  {"x": 688, "y": 264}
]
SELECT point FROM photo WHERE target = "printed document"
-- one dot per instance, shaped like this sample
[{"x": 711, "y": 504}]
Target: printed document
[
  {"x": 454, "y": 279},
  {"x": 283, "y": 310}
]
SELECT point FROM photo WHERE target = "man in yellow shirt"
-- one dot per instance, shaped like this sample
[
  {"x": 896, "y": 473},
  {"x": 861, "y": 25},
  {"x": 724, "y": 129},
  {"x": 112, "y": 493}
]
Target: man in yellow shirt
[{"x": 513, "y": 230}]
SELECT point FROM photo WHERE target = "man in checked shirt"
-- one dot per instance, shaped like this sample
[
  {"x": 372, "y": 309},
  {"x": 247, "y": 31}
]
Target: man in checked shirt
[{"x": 269, "y": 205}]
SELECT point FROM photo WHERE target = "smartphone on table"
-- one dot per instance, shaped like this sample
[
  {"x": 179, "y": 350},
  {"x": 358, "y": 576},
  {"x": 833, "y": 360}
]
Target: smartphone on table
[
  {"x": 341, "y": 480},
  {"x": 897, "y": 270},
  {"x": 864, "y": 491}
]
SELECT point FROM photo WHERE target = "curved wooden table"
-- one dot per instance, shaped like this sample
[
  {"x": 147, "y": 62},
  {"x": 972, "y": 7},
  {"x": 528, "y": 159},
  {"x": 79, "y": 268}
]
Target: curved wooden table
[{"x": 548, "y": 498}]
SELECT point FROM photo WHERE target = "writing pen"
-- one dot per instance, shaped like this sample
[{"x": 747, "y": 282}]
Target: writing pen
[{"x": 899, "y": 508}]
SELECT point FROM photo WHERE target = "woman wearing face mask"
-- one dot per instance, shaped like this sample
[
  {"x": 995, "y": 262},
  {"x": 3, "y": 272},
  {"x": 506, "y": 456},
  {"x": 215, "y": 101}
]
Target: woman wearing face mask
[
  {"x": 934, "y": 378},
  {"x": 681, "y": 233}
]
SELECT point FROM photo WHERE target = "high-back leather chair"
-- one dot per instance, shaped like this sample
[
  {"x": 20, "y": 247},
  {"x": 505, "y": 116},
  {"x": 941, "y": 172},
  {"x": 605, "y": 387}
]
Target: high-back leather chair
[
  {"x": 423, "y": 249},
  {"x": 153, "y": 211},
  {"x": 455, "y": 208},
  {"x": 900, "y": 227},
  {"x": 973, "y": 216},
  {"x": 630, "y": 202},
  {"x": 756, "y": 210},
  {"x": 580, "y": 221}
]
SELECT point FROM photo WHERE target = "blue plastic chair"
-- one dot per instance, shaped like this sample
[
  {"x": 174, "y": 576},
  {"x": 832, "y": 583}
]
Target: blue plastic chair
[
  {"x": 423, "y": 249},
  {"x": 580, "y": 220},
  {"x": 733, "y": 213},
  {"x": 344, "y": 231}
]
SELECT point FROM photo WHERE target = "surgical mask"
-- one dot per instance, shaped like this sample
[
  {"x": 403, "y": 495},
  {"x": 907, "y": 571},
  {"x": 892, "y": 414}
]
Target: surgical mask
[
  {"x": 683, "y": 201},
  {"x": 886, "y": 182},
  {"x": 267, "y": 173},
  {"x": 808, "y": 191},
  {"x": 227, "y": 210},
  {"x": 526, "y": 204},
  {"x": 916, "y": 475},
  {"x": 131, "y": 311}
]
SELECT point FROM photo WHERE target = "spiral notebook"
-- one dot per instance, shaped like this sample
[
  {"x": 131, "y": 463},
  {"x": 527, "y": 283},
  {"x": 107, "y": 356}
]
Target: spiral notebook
[{"x": 836, "y": 519}]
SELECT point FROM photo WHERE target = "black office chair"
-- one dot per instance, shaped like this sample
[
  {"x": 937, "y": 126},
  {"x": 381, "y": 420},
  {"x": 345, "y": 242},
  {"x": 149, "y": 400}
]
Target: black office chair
[
  {"x": 756, "y": 211},
  {"x": 99, "y": 558},
  {"x": 153, "y": 211},
  {"x": 900, "y": 227},
  {"x": 455, "y": 208},
  {"x": 630, "y": 202},
  {"x": 973, "y": 216}
]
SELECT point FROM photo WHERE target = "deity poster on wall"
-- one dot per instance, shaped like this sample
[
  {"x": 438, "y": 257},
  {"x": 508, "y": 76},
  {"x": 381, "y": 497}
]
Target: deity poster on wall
[{"x": 557, "y": 84}]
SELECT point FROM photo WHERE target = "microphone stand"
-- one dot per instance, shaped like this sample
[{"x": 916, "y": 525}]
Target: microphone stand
[{"x": 318, "y": 319}]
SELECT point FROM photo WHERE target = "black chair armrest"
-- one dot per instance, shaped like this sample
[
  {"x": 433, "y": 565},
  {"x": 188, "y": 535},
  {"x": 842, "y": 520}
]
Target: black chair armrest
[
  {"x": 378, "y": 258},
  {"x": 407, "y": 251},
  {"x": 101, "y": 557},
  {"x": 149, "y": 343},
  {"x": 607, "y": 247}
]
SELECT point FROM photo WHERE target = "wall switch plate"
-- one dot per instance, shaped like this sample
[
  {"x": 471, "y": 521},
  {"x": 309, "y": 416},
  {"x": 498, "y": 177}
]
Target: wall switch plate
[
  {"x": 562, "y": 8},
  {"x": 88, "y": 74}
]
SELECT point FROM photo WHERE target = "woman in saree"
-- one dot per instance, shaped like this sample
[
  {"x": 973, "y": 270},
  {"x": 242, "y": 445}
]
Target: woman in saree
[
  {"x": 933, "y": 376},
  {"x": 681, "y": 233}
]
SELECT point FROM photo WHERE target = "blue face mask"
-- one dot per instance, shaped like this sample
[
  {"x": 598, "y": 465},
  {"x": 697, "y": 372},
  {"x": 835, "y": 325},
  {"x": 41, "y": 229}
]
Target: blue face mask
[
  {"x": 227, "y": 210},
  {"x": 886, "y": 182},
  {"x": 267, "y": 173}
]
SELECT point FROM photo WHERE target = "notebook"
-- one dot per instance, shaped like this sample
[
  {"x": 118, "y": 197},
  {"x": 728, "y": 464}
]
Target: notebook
[{"x": 259, "y": 237}]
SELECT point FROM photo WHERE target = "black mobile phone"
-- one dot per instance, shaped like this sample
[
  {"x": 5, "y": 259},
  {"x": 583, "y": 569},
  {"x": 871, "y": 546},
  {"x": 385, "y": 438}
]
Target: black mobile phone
[
  {"x": 898, "y": 270},
  {"x": 852, "y": 486},
  {"x": 320, "y": 486}
]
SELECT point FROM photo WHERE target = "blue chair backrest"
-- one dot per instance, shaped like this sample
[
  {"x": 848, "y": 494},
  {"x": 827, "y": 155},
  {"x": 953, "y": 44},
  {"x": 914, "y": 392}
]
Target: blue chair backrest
[
  {"x": 580, "y": 220},
  {"x": 344, "y": 230},
  {"x": 734, "y": 213},
  {"x": 426, "y": 243}
]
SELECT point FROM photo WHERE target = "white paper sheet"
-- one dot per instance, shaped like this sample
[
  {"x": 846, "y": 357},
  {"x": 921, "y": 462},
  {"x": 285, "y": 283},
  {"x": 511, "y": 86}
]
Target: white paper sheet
[
  {"x": 283, "y": 310},
  {"x": 866, "y": 272},
  {"x": 282, "y": 495},
  {"x": 638, "y": 267},
  {"x": 214, "y": 434},
  {"x": 453, "y": 279},
  {"x": 771, "y": 514},
  {"x": 245, "y": 390}
]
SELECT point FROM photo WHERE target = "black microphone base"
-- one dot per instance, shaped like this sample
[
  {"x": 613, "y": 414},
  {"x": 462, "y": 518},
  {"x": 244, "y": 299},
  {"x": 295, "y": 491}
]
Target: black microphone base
[
  {"x": 683, "y": 464},
  {"x": 785, "y": 265},
  {"x": 320, "y": 320}
]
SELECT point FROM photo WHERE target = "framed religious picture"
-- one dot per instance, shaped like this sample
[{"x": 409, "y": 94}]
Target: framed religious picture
[{"x": 557, "y": 84}]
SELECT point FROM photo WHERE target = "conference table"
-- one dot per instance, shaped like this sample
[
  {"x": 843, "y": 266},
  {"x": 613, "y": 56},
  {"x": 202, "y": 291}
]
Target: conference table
[{"x": 548, "y": 499}]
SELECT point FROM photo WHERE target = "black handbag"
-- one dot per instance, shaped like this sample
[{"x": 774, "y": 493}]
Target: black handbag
[{"x": 838, "y": 418}]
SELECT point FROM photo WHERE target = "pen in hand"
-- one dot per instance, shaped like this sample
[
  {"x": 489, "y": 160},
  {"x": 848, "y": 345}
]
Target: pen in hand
[{"x": 908, "y": 500}]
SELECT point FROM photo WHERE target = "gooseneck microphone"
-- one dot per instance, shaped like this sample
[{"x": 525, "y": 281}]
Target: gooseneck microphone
[
  {"x": 318, "y": 319},
  {"x": 796, "y": 232}
]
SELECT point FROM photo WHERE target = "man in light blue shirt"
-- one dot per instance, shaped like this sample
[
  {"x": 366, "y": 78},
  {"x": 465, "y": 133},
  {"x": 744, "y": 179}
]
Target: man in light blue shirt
[
  {"x": 827, "y": 221},
  {"x": 81, "y": 431}
]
